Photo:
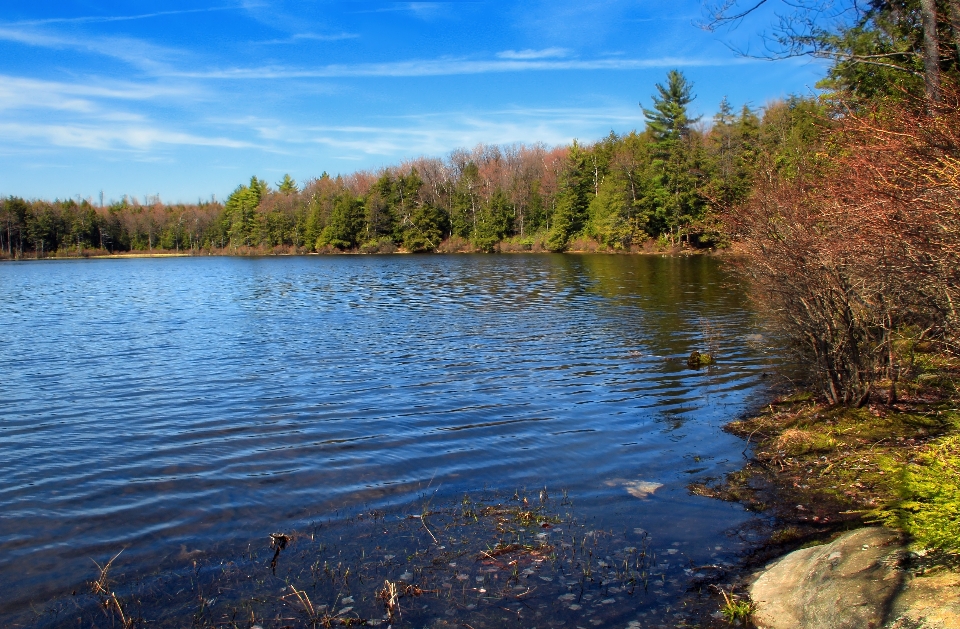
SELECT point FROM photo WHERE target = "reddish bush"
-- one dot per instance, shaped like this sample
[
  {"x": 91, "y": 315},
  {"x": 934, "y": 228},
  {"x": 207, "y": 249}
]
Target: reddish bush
[{"x": 861, "y": 243}]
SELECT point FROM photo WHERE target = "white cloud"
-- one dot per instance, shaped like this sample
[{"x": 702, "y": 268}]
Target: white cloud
[
  {"x": 25, "y": 93},
  {"x": 135, "y": 52},
  {"x": 449, "y": 66},
  {"x": 546, "y": 53},
  {"x": 299, "y": 37},
  {"x": 103, "y": 137},
  {"x": 420, "y": 9},
  {"x": 95, "y": 19},
  {"x": 397, "y": 137}
]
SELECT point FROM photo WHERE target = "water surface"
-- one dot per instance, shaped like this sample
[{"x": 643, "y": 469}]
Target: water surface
[{"x": 165, "y": 406}]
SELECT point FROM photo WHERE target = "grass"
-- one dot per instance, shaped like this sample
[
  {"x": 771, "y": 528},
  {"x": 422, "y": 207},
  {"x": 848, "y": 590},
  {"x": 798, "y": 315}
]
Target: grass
[
  {"x": 735, "y": 610},
  {"x": 107, "y": 598}
]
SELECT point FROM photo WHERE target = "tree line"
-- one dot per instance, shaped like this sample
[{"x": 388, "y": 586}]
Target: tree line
[{"x": 663, "y": 183}]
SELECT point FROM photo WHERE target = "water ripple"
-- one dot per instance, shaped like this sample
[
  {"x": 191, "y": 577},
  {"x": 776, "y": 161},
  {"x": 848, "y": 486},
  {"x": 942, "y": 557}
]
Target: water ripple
[{"x": 149, "y": 404}]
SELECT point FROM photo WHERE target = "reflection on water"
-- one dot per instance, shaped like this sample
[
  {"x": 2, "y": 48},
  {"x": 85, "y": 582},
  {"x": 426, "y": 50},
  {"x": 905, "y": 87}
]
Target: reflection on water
[{"x": 177, "y": 406}]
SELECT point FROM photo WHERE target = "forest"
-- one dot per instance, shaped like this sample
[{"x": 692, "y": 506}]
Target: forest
[{"x": 663, "y": 183}]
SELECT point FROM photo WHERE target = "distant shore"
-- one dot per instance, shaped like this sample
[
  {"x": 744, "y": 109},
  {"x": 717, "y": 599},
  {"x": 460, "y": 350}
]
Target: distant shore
[{"x": 244, "y": 252}]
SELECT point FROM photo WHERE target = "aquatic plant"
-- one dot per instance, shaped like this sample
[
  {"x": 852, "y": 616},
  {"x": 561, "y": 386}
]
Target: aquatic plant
[{"x": 734, "y": 609}]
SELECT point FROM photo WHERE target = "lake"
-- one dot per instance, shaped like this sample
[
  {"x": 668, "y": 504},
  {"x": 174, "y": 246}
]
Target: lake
[{"x": 183, "y": 409}]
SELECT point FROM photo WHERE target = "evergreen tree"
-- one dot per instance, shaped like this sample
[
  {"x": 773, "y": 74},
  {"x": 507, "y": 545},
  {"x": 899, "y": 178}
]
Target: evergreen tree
[
  {"x": 426, "y": 229},
  {"x": 673, "y": 199},
  {"x": 668, "y": 120},
  {"x": 465, "y": 208},
  {"x": 572, "y": 202},
  {"x": 346, "y": 223},
  {"x": 731, "y": 148},
  {"x": 379, "y": 209},
  {"x": 240, "y": 212},
  {"x": 610, "y": 220},
  {"x": 287, "y": 185},
  {"x": 495, "y": 222}
]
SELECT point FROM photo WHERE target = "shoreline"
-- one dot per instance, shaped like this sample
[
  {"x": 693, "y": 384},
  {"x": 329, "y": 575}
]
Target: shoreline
[
  {"x": 820, "y": 472},
  {"x": 140, "y": 255},
  {"x": 648, "y": 249}
]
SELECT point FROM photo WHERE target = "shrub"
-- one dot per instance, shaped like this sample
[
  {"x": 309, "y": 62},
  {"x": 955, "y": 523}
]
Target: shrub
[{"x": 860, "y": 239}]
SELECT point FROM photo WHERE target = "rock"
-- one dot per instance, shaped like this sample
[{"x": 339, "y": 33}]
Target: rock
[
  {"x": 696, "y": 360},
  {"x": 928, "y": 602},
  {"x": 636, "y": 488},
  {"x": 849, "y": 583},
  {"x": 854, "y": 581}
]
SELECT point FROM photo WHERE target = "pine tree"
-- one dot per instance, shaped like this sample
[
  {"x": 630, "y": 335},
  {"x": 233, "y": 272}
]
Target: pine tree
[
  {"x": 240, "y": 211},
  {"x": 668, "y": 120},
  {"x": 287, "y": 185},
  {"x": 346, "y": 223},
  {"x": 572, "y": 201}
]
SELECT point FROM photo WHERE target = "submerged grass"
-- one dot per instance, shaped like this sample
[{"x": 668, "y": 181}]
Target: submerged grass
[{"x": 480, "y": 562}]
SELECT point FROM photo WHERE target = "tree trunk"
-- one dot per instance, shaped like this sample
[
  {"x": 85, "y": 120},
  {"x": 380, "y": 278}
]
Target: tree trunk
[{"x": 931, "y": 50}]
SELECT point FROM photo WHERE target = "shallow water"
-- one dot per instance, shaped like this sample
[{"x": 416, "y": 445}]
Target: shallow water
[{"x": 178, "y": 408}]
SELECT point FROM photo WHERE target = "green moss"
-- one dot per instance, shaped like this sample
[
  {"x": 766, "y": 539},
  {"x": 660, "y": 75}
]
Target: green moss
[
  {"x": 697, "y": 360},
  {"x": 795, "y": 442},
  {"x": 786, "y": 535},
  {"x": 897, "y": 464},
  {"x": 799, "y": 396},
  {"x": 928, "y": 508}
]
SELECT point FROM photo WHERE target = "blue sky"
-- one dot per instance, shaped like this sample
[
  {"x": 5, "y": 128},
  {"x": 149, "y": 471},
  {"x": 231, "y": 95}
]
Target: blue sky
[{"x": 189, "y": 99}]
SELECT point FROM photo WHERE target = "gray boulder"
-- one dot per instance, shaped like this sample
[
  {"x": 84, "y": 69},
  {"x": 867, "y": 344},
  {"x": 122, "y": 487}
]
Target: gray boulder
[{"x": 850, "y": 583}]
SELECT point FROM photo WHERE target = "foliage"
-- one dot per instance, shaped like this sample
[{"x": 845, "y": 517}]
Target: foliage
[
  {"x": 857, "y": 237},
  {"x": 240, "y": 219},
  {"x": 570, "y": 212},
  {"x": 877, "y": 49},
  {"x": 735, "y": 610},
  {"x": 345, "y": 223},
  {"x": 287, "y": 185},
  {"x": 896, "y": 466}
]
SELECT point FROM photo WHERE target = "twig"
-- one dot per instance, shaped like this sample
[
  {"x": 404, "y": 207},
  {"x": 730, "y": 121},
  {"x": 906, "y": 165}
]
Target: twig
[{"x": 423, "y": 521}]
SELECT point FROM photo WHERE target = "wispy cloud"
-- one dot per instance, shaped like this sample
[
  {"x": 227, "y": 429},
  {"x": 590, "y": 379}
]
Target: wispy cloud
[
  {"x": 25, "y": 93},
  {"x": 396, "y": 137},
  {"x": 135, "y": 52},
  {"x": 420, "y": 9},
  {"x": 99, "y": 19},
  {"x": 162, "y": 61},
  {"x": 449, "y": 67},
  {"x": 300, "y": 37},
  {"x": 110, "y": 137},
  {"x": 546, "y": 53}
]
